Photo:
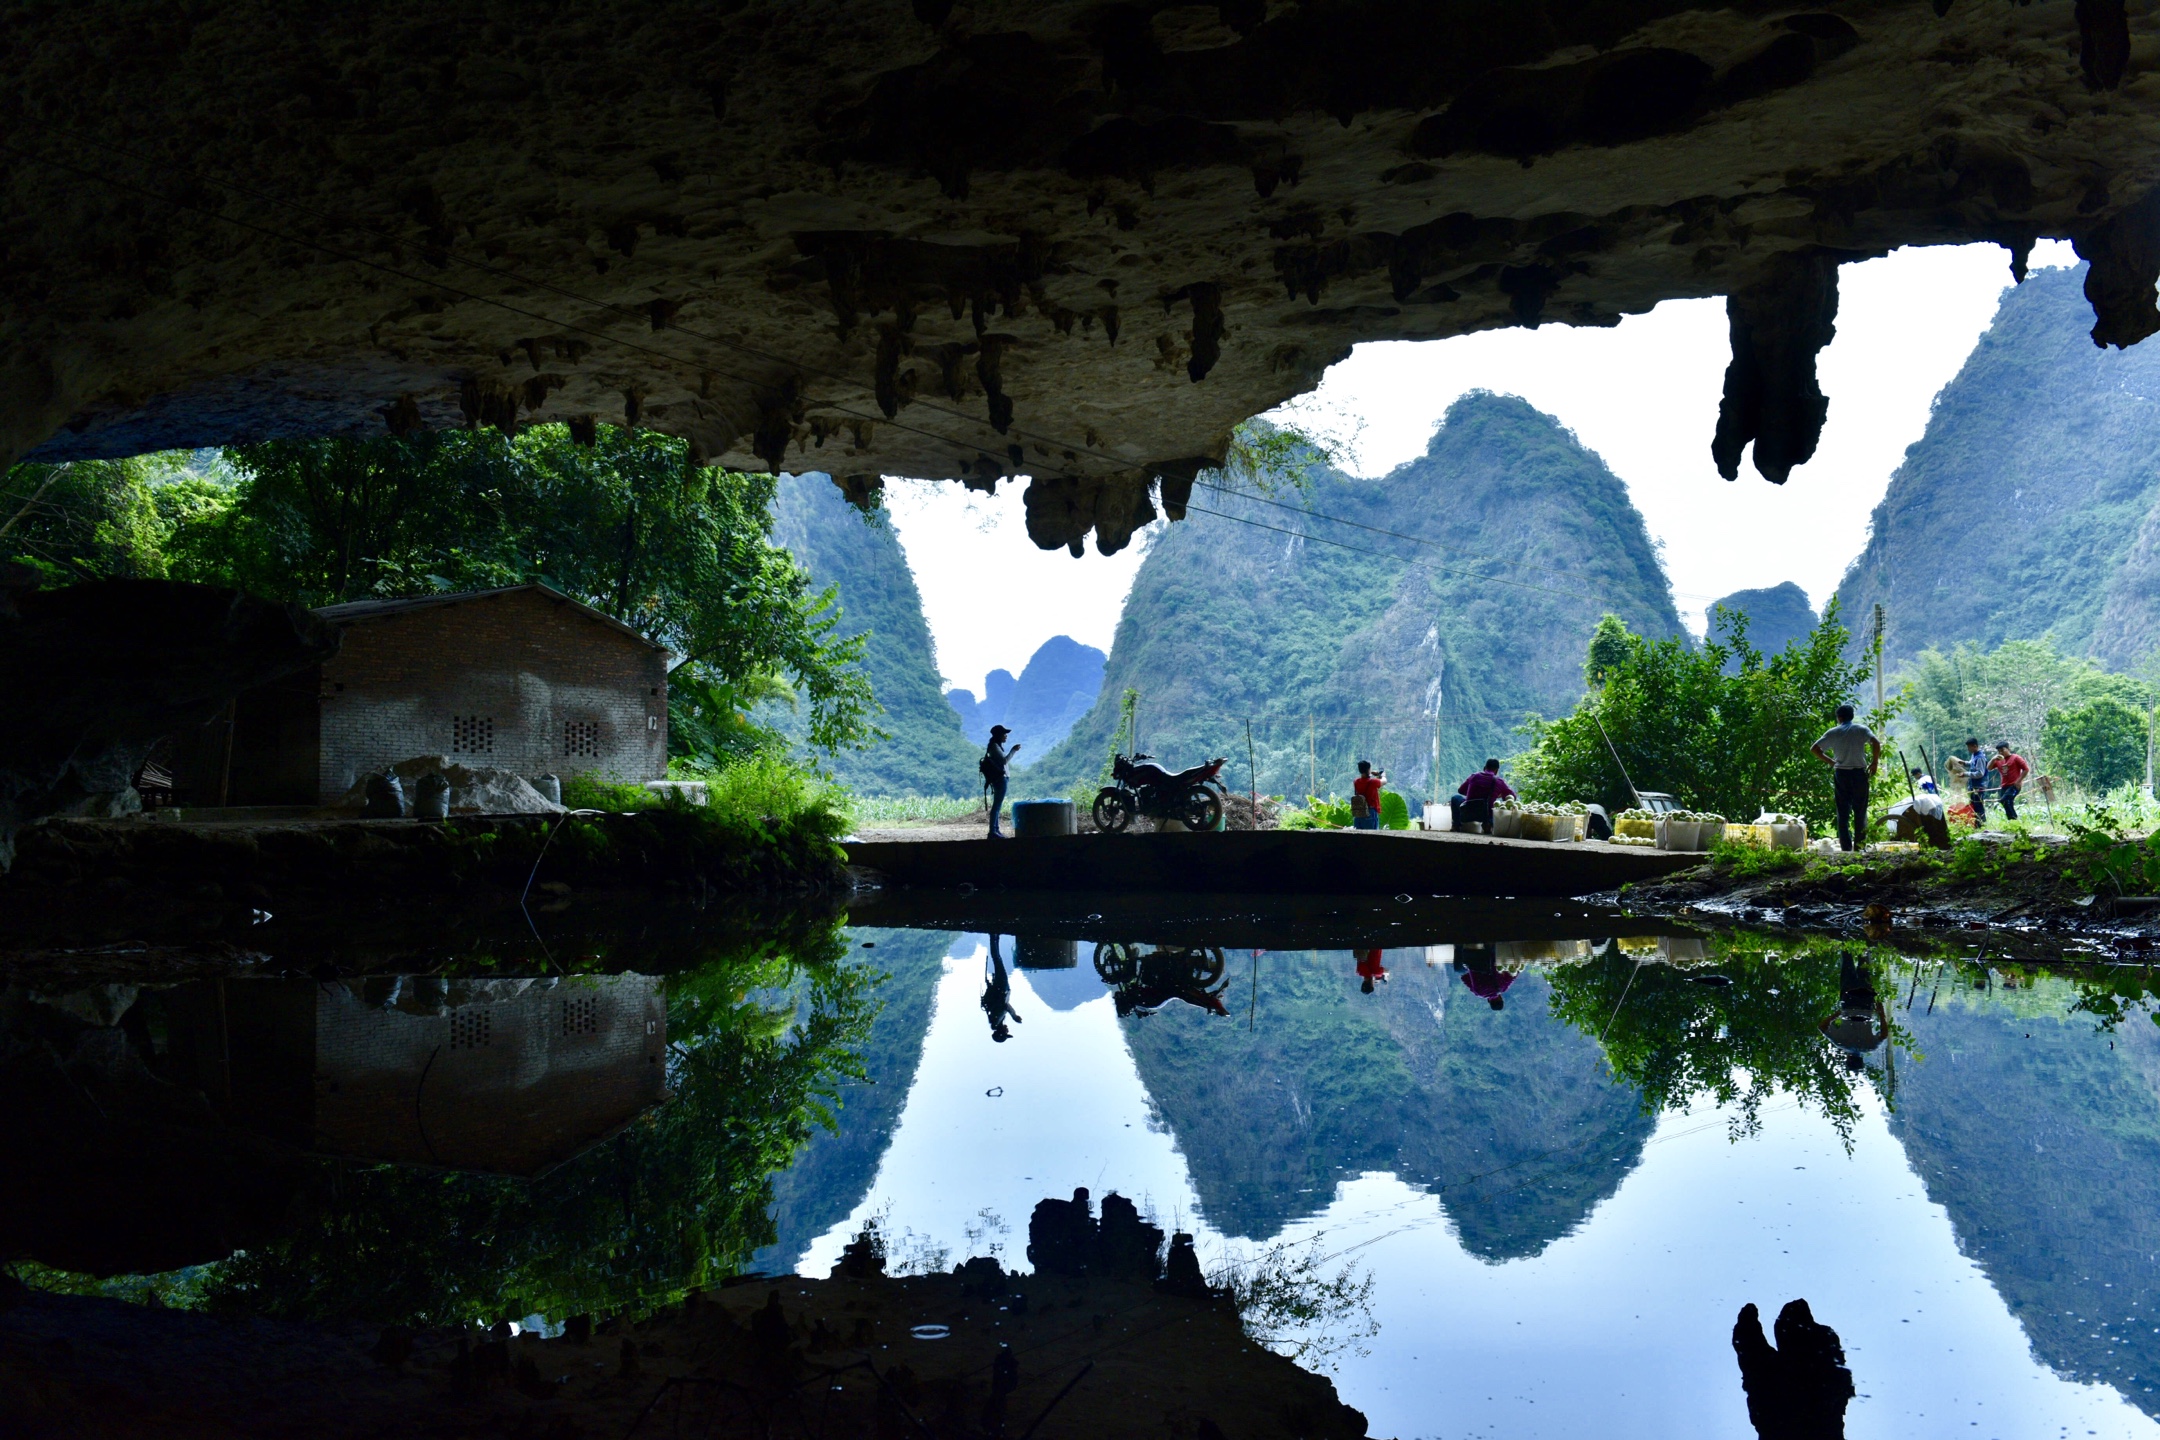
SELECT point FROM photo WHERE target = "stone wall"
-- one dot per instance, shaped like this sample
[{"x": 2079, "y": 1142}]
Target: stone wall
[{"x": 519, "y": 681}]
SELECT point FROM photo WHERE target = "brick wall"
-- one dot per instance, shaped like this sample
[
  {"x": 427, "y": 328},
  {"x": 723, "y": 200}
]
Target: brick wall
[
  {"x": 519, "y": 1075},
  {"x": 519, "y": 682}
]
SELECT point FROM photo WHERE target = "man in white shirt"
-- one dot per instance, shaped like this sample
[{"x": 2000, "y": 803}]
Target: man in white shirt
[{"x": 1852, "y": 752}]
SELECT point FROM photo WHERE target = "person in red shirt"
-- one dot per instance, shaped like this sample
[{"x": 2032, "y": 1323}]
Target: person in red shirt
[
  {"x": 2013, "y": 768},
  {"x": 1370, "y": 969},
  {"x": 1367, "y": 788},
  {"x": 1473, "y": 800}
]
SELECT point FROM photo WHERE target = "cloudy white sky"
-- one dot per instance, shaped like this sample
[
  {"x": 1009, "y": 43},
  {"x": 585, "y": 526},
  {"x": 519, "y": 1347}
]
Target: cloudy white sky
[{"x": 1643, "y": 394}]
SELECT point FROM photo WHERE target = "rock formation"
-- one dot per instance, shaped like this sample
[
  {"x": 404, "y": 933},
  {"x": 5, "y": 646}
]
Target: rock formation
[
  {"x": 97, "y": 674},
  {"x": 1077, "y": 242}
]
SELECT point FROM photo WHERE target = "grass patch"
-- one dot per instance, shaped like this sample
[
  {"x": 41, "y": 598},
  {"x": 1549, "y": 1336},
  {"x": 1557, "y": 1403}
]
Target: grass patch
[
  {"x": 762, "y": 793},
  {"x": 1745, "y": 862},
  {"x": 914, "y": 809}
]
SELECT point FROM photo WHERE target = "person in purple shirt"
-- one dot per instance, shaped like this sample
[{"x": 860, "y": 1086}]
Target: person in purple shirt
[{"x": 1473, "y": 800}]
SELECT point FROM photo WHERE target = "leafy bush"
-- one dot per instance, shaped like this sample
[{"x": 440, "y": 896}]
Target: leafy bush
[
  {"x": 590, "y": 791},
  {"x": 1745, "y": 862},
  {"x": 1317, "y": 814},
  {"x": 759, "y": 793},
  {"x": 1733, "y": 742},
  {"x": 1394, "y": 811},
  {"x": 2100, "y": 745}
]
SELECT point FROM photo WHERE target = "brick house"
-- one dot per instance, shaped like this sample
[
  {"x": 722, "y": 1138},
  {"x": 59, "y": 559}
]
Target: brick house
[
  {"x": 512, "y": 1077},
  {"x": 523, "y": 679}
]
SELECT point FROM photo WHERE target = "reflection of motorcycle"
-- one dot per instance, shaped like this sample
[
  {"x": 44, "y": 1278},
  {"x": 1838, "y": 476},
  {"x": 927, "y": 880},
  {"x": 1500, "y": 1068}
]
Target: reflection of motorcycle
[
  {"x": 1193, "y": 798},
  {"x": 1143, "y": 982}
]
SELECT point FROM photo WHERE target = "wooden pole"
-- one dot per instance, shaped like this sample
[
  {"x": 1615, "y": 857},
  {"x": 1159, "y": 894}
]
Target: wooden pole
[
  {"x": 1312, "y": 757},
  {"x": 1252, "y": 773},
  {"x": 1878, "y": 658},
  {"x": 224, "y": 784},
  {"x": 2151, "y": 711},
  {"x": 1438, "y": 695}
]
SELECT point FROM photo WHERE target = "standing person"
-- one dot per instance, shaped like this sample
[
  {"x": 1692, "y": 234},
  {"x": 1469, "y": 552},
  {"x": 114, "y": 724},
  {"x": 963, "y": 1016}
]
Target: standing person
[
  {"x": 1366, "y": 789},
  {"x": 2013, "y": 768},
  {"x": 995, "y": 757},
  {"x": 1977, "y": 769},
  {"x": 997, "y": 995},
  {"x": 1473, "y": 800},
  {"x": 1852, "y": 752}
]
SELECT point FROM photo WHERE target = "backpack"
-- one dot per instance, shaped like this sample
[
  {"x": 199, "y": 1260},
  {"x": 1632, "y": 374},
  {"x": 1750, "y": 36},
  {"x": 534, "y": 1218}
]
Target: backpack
[{"x": 991, "y": 770}]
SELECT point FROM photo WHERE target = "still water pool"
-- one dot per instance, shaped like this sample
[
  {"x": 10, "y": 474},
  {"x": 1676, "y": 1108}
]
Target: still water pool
[
  {"x": 1559, "y": 1229},
  {"x": 1504, "y": 1187}
]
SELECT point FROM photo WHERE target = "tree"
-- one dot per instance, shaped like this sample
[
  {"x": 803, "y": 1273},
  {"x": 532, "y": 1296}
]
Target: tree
[
  {"x": 103, "y": 519},
  {"x": 1608, "y": 650},
  {"x": 2006, "y": 693},
  {"x": 2100, "y": 745},
  {"x": 680, "y": 553},
  {"x": 1732, "y": 743}
]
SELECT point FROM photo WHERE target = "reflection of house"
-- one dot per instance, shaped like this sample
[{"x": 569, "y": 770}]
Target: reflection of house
[
  {"x": 509, "y": 1076},
  {"x": 523, "y": 679}
]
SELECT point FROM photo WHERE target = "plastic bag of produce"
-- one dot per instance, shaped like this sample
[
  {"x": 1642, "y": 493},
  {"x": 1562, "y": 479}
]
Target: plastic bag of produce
[{"x": 1787, "y": 832}]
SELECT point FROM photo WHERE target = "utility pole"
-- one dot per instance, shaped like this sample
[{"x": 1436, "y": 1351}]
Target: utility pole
[{"x": 1312, "y": 757}]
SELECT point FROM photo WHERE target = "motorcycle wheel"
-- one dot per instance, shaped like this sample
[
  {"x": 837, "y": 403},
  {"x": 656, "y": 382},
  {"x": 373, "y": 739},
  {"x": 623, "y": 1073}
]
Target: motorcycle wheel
[
  {"x": 1203, "y": 809},
  {"x": 1116, "y": 964},
  {"x": 1207, "y": 966},
  {"x": 1113, "y": 811}
]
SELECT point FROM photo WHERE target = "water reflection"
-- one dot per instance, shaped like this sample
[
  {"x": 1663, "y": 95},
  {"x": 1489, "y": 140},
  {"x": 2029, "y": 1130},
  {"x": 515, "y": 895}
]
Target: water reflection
[{"x": 1564, "y": 1160}]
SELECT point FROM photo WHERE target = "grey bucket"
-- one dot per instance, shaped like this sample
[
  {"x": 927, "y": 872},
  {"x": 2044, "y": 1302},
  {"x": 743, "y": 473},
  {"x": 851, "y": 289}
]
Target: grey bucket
[{"x": 1032, "y": 818}]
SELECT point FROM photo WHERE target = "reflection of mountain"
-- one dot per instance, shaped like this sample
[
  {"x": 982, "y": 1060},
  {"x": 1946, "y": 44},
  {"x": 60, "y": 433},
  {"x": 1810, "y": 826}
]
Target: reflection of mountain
[
  {"x": 1509, "y": 1115},
  {"x": 834, "y": 1171},
  {"x": 2046, "y": 1153}
]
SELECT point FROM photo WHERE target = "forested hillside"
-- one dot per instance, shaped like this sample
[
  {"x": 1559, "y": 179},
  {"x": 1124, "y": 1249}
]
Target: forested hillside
[
  {"x": 1267, "y": 620},
  {"x": 926, "y": 753},
  {"x": 2027, "y": 509},
  {"x": 1776, "y": 616}
]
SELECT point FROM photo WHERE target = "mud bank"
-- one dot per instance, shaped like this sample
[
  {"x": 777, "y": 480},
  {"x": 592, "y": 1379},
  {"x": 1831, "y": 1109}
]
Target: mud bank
[{"x": 929, "y": 1356}]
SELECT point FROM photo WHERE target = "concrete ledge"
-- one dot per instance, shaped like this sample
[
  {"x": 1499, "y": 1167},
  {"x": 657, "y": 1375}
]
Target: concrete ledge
[{"x": 1307, "y": 862}]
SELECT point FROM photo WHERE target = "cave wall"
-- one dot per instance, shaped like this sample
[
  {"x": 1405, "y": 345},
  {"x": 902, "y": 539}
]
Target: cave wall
[{"x": 1077, "y": 242}]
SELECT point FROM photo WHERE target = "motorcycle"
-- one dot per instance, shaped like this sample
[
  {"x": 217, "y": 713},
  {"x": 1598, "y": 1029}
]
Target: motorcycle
[
  {"x": 1193, "y": 798},
  {"x": 1142, "y": 982}
]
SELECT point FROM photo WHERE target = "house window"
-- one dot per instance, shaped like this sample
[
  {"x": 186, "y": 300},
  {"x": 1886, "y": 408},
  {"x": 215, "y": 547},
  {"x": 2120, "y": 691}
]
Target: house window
[
  {"x": 581, "y": 737},
  {"x": 469, "y": 1028},
  {"x": 472, "y": 734},
  {"x": 581, "y": 1015}
]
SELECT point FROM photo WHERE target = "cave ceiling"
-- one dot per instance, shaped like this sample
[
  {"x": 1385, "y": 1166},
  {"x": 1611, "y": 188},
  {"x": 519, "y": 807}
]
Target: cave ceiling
[{"x": 1075, "y": 242}]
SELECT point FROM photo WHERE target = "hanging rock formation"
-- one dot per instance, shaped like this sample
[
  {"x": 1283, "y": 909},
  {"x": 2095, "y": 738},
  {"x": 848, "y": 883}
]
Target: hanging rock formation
[{"x": 1077, "y": 242}]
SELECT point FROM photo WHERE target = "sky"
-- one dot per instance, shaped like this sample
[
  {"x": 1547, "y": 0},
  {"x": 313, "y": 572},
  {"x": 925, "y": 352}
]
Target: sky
[{"x": 1642, "y": 394}]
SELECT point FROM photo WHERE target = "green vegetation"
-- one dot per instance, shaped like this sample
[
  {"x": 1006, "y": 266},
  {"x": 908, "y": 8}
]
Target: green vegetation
[
  {"x": 679, "y": 553},
  {"x": 2100, "y": 746},
  {"x": 1722, "y": 728},
  {"x": 2027, "y": 509},
  {"x": 2009, "y": 693},
  {"x": 1337, "y": 655},
  {"x": 920, "y": 748}
]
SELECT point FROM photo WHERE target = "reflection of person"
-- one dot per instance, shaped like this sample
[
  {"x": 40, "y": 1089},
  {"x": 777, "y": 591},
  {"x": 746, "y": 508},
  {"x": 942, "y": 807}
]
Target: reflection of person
[
  {"x": 1473, "y": 800},
  {"x": 1861, "y": 1024},
  {"x": 1852, "y": 752},
  {"x": 997, "y": 996},
  {"x": 1370, "y": 969},
  {"x": 1483, "y": 975},
  {"x": 1365, "y": 793},
  {"x": 995, "y": 756},
  {"x": 2013, "y": 768}
]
